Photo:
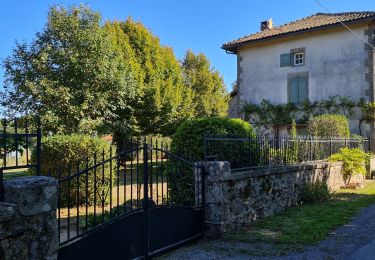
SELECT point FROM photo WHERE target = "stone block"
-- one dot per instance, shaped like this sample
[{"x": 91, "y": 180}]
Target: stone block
[
  {"x": 7, "y": 211},
  {"x": 33, "y": 195},
  {"x": 28, "y": 225}
]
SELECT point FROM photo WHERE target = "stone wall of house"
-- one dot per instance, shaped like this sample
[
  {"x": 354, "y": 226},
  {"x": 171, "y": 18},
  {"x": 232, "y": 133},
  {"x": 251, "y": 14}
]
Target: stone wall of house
[
  {"x": 28, "y": 227},
  {"x": 339, "y": 68},
  {"x": 233, "y": 107},
  {"x": 240, "y": 198}
]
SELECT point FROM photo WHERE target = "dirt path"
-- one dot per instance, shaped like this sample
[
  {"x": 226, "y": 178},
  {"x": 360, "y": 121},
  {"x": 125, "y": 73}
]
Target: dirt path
[{"x": 353, "y": 241}]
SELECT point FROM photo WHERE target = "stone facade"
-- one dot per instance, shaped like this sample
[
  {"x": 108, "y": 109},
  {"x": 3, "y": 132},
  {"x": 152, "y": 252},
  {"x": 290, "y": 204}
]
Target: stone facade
[
  {"x": 28, "y": 226},
  {"x": 240, "y": 198},
  {"x": 338, "y": 64}
]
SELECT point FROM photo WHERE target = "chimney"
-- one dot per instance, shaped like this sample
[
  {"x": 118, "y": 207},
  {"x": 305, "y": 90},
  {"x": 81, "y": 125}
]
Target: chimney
[{"x": 265, "y": 25}]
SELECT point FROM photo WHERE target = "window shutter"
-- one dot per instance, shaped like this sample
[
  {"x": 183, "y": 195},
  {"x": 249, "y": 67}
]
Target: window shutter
[
  {"x": 285, "y": 60},
  {"x": 293, "y": 91},
  {"x": 302, "y": 89}
]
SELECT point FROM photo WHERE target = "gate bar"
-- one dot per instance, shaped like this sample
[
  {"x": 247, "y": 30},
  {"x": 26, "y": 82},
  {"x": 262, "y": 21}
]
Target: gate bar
[{"x": 145, "y": 197}]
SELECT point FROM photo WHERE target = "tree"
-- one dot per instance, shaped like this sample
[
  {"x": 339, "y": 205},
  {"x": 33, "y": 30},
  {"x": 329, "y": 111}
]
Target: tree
[
  {"x": 164, "y": 102},
  {"x": 82, "y": 77},
  {"x": 210, "y": 97},
  {"x": 71, "y": 76}
]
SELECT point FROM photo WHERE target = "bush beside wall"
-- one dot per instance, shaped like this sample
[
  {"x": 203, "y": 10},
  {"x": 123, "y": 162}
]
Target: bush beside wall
[
  {"x": 64, "y": 155},
  {"x": 329, "y": 126},
  {"x": 187, "y": 142}
]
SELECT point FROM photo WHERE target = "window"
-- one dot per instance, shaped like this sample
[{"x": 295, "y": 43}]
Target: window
[
  {"x": 298, "y": 58},
  {"x": 297, "y": 89}
]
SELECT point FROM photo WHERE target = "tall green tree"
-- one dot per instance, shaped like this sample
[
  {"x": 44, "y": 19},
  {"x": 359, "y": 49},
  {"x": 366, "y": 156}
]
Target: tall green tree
[
  {"x": 72, "y": 76},
  {"x": 210, "y": 97},
  {"x": 164, "y": 101},
  {"x": 85, "y": 77}
]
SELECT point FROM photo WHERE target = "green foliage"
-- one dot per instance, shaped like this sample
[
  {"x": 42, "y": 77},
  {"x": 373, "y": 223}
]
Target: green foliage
[
  {"x": 308, "y": 109},
  {"x": 82, "y": 76},
  {"x": 368, "y": 109},
  {"x": 269, "y": 113},
  {"x": 316, "y": 192},
  {"x": 347, "y": 106},
  {"x": 210, "y": 97},
  {"x": 70, "y": 75},
  {"x": 329, "y": 126},
  {"x": 163, "y": 100},
  {"x": 265, "y": 113},
  {"x": 354, "y": 162},
  {"x": 189, "y": 137},
  {"x": 63, "y": 154},
  {"x": 188, "y": 143}
]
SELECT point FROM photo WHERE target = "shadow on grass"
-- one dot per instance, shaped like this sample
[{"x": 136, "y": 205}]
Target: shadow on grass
[{"x": 307, "y": 224}]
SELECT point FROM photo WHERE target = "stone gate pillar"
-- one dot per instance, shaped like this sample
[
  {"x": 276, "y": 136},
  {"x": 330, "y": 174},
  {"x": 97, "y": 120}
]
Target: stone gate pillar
[
  {"x": 214, "y": 199},
  {"x": 28, "y": 219}
]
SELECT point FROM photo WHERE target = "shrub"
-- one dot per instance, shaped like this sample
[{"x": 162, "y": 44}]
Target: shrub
[
  {"x": 354, "y": 162},
  {"x": 64, "y": 154},
  {"x": 316, "y": 192},
  {"x": 329, "y": 126},
  {"x": 188, "y": 143},
  {"x": 189, "y": 136}
]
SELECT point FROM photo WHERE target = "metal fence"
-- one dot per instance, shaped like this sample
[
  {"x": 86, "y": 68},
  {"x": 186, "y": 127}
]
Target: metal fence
[
  {"x": 18, "y": 137},
  {"x": 251, "y": 152},
  {"x": 110, "y": 185}
]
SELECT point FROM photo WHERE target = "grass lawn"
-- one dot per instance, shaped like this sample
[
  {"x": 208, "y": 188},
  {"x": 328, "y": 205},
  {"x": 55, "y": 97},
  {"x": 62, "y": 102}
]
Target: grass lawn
[
  {"x": 10, "y": 174},
  {"x": 307, "y": 224}
]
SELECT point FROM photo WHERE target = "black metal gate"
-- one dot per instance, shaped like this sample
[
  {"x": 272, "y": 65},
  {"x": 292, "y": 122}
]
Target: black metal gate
[
  {"x": 136, "y": 204},
  {"x": 18, "y": 137}
]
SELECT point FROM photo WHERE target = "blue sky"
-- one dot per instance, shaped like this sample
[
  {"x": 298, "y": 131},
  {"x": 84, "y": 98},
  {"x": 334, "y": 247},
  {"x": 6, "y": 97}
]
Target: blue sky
[{"x": 200, "y": 25}]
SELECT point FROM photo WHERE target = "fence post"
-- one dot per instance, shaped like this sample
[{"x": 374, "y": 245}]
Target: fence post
[
  {"x": 249, "y": 150},
  {"x": 311, "y": 147},
  {"x": 205, "y": 147},
  {"x": 5, "y": 142},
  {"x": 284, "y": 146},
  {"x": 1, "y": 185},
  {"x": 38, "y": 148},
  {"x": 145, "y": 197}
]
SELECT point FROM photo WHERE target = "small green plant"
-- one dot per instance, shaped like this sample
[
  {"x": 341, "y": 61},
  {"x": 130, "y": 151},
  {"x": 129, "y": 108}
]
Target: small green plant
[
  {"x": 293, "y": 131},
  {"x": 354, "y": 162},
  {"x": 316, "y": 192}
]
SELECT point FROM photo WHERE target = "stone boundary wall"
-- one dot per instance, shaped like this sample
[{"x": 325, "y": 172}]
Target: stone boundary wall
[
  {"x": 28, "y": 226},
  {"x": 240, "y": 198}
]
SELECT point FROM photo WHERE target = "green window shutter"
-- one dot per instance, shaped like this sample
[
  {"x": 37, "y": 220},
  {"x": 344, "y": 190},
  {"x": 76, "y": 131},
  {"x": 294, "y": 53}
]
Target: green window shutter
[
  {"x": 302, "y": 89},
  {"x": 285, "y": 60},
  {"x": 293, "y": 91}
]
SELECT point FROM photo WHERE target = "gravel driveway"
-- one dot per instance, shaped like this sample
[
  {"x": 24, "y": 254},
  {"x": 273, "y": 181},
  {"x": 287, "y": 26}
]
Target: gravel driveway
[{"x": 356, "y": 240}]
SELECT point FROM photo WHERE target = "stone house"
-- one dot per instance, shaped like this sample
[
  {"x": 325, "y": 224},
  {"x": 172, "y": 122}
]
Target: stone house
[{"x": 314, "y": 58}]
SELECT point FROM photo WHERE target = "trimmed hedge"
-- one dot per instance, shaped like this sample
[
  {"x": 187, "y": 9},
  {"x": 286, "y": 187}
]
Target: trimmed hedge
[
  {"x": 189, "y": 136},
  {"x": 187, "y": 142},
  {"x": 329, "y": 126},
  {"x": 64, "y": 154}
]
